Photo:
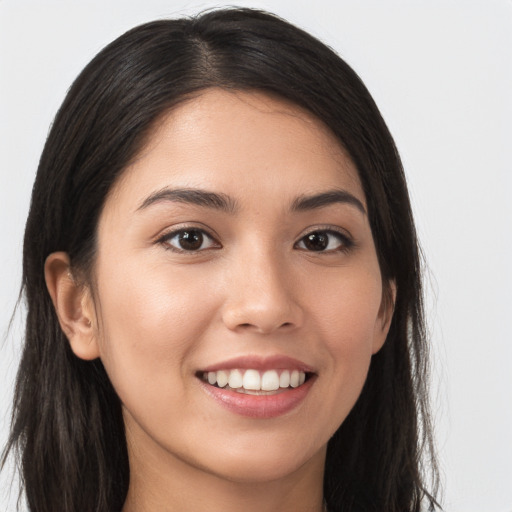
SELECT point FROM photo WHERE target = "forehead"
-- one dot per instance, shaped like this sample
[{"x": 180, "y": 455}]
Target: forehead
[{"x": 240, "y": 143}]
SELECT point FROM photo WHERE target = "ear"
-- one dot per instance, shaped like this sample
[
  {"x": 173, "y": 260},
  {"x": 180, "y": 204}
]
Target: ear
[
  {"x": 73, "y": 305},
  {"x": 387, "y": 307}
]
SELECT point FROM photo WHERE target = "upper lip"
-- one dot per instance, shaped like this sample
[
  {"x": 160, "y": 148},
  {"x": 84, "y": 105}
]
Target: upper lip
[{"x": 261, "y": 363}]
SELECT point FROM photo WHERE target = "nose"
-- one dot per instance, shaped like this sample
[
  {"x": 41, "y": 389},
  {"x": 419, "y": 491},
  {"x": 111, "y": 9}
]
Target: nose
[{"x": 261, "y": 296}]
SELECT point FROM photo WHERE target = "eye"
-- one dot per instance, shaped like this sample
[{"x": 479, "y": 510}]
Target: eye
[
  {"x": 188, "y": 240},
  {"x": 324, "y": 241}
]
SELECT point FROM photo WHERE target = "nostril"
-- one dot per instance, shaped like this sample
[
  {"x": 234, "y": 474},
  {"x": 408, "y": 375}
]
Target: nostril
[{"x": 248, "y": 325}]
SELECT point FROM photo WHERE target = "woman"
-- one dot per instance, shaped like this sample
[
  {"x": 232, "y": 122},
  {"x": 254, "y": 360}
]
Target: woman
[{"x": 229, "y": 315}]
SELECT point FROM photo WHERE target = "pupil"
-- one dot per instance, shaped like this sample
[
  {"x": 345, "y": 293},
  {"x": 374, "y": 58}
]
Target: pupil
[
  {"x": 191, "y": 240},
  {"x": 316, "y": 241}
]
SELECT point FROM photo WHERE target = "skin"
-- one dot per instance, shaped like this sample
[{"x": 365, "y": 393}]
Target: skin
[{"x": 156, "y": 316}]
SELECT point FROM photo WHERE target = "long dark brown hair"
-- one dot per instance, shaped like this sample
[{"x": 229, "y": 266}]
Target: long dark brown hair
[{"x": 67, "y": 427}]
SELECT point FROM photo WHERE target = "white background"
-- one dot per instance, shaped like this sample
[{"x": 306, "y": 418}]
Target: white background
[{"x": 441, "y": 73}]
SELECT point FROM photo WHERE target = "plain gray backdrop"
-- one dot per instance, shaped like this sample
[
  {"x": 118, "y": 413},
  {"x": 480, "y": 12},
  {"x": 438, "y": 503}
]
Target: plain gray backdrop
[{"x": 441, "y": 74}]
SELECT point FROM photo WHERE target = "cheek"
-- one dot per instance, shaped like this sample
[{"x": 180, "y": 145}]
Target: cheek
[
  {"x": 151, "y": 321},
  {"x": 348, "y": 306},
  {"x": 347, "y": 318}
]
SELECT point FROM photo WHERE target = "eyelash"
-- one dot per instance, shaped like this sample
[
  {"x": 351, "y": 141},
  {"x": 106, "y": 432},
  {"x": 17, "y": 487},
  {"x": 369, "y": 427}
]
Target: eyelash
[
  {"x": 344, "y": 242},
  {"x": 166, "y": 239}
]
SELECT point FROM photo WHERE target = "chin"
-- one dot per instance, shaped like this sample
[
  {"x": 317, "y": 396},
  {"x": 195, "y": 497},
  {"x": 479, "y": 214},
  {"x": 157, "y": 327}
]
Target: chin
[{"x": 268, "y": 464}]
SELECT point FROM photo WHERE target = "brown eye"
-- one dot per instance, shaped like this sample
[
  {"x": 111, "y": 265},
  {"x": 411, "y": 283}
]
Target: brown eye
[
  {"x": 323, "y": 241},
  {"x": 316, "y": 241},
  {"x": 189, "y": 240}
]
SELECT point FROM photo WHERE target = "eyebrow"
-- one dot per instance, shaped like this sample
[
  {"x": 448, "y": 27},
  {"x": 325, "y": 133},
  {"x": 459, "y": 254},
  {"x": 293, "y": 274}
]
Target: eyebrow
[
  {"x": 223, "y": 202},
  {"x": 327, "y": 198},
  {"x": 193, "y": 196}
]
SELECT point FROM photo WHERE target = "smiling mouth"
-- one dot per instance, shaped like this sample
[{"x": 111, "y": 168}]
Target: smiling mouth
[{"x": 255, "y": 382}]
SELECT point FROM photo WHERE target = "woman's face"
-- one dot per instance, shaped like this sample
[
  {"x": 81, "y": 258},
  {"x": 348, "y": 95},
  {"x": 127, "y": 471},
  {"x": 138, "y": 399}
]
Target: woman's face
[{"x": 236, "y": 248}]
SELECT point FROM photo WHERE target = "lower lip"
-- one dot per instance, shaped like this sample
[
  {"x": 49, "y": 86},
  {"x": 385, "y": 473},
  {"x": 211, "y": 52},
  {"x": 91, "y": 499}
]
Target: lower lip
[{"x": 260, "y": 406}]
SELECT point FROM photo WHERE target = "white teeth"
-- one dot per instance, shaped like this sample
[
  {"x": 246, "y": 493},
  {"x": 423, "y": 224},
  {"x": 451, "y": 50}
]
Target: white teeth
[
  {"x": 253, "y": 380},
  {"x": 294, "y": 379},
  {"x": 222, "y": 378},
  {"x": 270, "y": 381},
  {"x": 235, "y": 379},
  {"x": 284, "y": 379}
]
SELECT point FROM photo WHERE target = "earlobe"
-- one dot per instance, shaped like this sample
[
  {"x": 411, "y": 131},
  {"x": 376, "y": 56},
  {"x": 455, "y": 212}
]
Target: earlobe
[
  {"x": 73, "y": 305},
  {"x": 385, "y": 315}
]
